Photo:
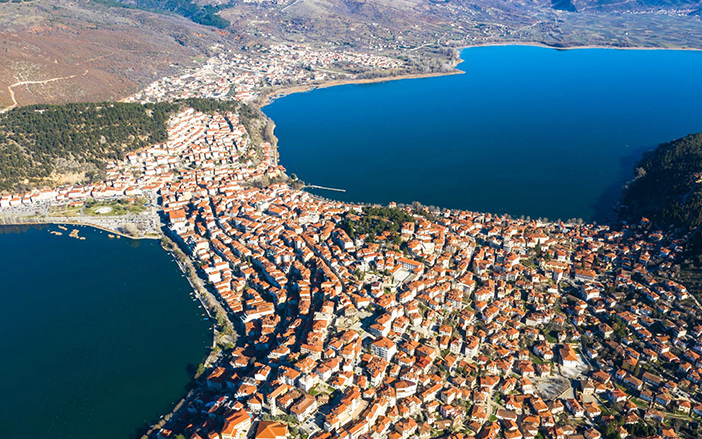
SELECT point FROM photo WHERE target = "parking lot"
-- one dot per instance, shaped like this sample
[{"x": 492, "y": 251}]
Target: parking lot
[{"x": 551, "y": 388}]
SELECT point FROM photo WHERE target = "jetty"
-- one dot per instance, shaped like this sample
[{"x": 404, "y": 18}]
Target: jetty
[{"x": 314, "y": 186}]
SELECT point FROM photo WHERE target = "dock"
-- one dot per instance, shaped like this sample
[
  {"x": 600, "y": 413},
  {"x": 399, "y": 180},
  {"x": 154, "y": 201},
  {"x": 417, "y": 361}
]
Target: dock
[{"x": 314, "y": 186}]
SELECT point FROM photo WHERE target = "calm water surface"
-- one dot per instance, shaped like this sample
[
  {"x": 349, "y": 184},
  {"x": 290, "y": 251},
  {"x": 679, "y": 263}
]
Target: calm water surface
[
  {"x": 526, "y": 130},
  {"x": 96, "y": 336}
]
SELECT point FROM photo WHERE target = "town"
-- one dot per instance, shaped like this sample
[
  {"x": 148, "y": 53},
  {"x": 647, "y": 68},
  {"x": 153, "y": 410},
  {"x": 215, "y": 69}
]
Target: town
[
  {"x": 244, "y": 76},
  {"x": 401, "y": 321}
]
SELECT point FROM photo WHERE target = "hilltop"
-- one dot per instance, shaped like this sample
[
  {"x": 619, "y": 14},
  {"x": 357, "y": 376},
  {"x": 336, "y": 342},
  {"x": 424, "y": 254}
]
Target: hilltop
[
  {"x": 667, "y": 186},
  {"x": 54, "y": 144},
  {"x": 91, "y": 51},
  {"x": 667, "y": 191},
  {"x": 59, "y": 51}
]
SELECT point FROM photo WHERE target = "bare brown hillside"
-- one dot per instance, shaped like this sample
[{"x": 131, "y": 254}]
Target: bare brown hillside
[
  {"x": 62, "y": 51},
  {"x": 101, "y": 52}
]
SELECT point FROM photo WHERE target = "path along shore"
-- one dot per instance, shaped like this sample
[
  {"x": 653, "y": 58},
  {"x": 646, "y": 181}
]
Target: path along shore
[
  {"x": 69, "y": 221},
  {"x": 279, "y": 93}
]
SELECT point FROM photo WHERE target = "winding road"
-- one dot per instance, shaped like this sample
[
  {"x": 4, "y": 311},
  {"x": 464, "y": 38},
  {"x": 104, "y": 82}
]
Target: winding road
[{"x": 17, "y": 84}]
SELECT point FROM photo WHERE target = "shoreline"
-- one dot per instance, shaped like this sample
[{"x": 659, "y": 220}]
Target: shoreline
[
  {"x": 177, "y": 405},
  {"x": 12, "y": 222},
  {"x": 201, "y": 293},
  {"x": 581, "y": 47},
  {"x": 155, "y": 427},
  {"x": 268, "y": 98}
]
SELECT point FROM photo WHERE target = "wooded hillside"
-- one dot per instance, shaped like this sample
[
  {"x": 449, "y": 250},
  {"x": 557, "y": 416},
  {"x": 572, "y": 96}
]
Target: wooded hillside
[
  {"x": 36, "y": 140},
  {"x": 667, "y": 188}
]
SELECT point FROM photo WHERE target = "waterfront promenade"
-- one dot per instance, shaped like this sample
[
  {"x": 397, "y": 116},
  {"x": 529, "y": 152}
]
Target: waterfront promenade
[{"x": 145, "y": 225}]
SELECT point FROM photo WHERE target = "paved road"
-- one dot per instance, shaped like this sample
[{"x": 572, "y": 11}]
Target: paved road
[{"x": 148, "y": 221}]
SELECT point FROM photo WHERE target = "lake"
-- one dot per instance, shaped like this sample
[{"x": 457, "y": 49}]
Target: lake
[
  {"x": 98, "y": 336},
  {"x": 526, "y": 130}
]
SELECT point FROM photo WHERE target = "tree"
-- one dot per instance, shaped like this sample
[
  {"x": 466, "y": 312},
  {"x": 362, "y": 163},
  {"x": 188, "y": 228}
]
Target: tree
[
  {"x": 221, "y": 319},
  {"x": 643, "y": 429},
  {"x": 611, "y": 431},
  {"x": 34, "y": 138},
  {"x": 131, "y": 229}
]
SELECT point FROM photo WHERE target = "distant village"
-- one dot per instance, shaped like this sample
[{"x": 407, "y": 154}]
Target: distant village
[
  {"x": 448, "y": 324},
  {"x": 242, "y": 77}
]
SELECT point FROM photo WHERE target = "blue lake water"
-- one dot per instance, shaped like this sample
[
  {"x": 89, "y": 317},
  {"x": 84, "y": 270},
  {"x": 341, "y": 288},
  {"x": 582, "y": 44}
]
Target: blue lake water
[
  {"x": 98, "y": 337},
  {"x": 526, "y": 130}
]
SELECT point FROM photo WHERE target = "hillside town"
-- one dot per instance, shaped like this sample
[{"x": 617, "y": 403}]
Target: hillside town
[
  {"x": 436, "y": 323},
  {"x": 334, "y": 319},
  {"x": 405, "y": 322},
  {"x": 445, "y": 323},
  {"x": 243, "y": 76},
  {"x": 402, "y": 321},
  {"x": 196, "y": 141}
]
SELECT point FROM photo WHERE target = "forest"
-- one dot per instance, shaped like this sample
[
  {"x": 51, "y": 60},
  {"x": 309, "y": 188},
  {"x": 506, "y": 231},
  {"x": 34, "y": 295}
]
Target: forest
[
  {"x": 33, "y": 139},
  {"x": 205, "y": 15},
  {"x": 667, "y": 188},
  {"x": 376, "y": 221}
]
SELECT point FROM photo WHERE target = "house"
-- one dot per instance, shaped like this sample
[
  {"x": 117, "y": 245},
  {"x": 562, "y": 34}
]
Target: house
[
  {"x": 271, "y": 430},
  {"x": 236, "y": 426},
  {"x": 216, "y": 379},
  {"x": 584, "y": 275},
  {"x": 384, "y": 348},
  {"x": 575, "y": 408},
  {"x": 615, "y": 395},
  {"x": 304, "y": 408},
  {"x": 568, "y": 356}
]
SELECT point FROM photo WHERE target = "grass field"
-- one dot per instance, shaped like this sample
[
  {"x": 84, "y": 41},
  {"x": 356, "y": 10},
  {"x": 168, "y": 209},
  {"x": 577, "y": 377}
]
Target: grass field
[
  {"x": 115, "y": 207},
  {"x": 62, "y": 211}
]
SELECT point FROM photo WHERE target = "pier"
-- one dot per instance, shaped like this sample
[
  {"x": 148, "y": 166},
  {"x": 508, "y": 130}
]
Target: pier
[{"x": 314, "y": 186}]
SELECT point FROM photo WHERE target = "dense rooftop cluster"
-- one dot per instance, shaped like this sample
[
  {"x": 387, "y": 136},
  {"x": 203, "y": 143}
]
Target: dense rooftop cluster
[
  {"x": 457, "y": 323},
  {"x": 195, "y": 140},
  {"x": 242, "y": 76},
  {"x": 403, "y": 322}
]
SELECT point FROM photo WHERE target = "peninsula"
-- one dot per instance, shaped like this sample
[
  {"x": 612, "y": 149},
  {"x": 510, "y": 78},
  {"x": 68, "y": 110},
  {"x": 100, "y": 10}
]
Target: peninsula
[
  {"x": 342, "y": 320},
  {"x": 393, "y": 321}
]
